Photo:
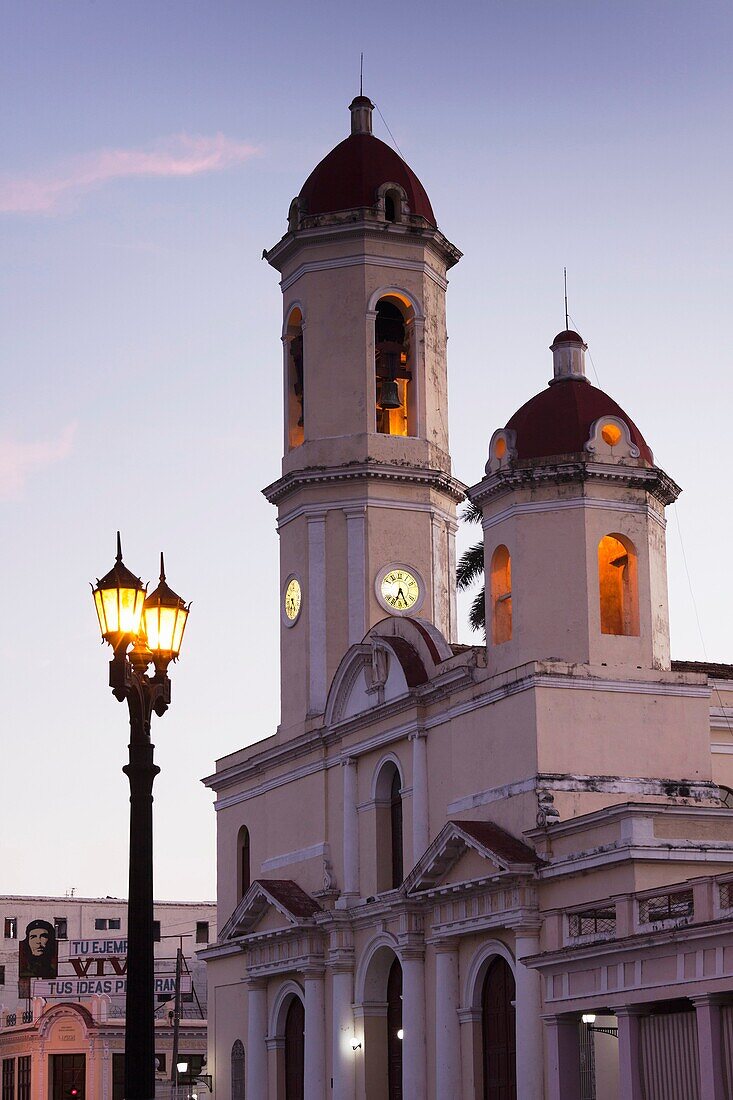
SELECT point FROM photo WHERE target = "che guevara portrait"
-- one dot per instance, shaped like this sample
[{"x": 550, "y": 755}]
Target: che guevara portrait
[{"x": 38, "y": 952}]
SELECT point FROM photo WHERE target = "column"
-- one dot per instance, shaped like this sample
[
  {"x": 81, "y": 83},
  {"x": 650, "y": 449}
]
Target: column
[
  {"x": 414, "y": 1076},
  {"x": 351, "y": 834},
  {"x": 315, "y": 1035},
  {"x": 629, "y": 1052},
  {"x": 343, "y": 1054},
  {"x": 356, "y": 572},
  {"x": 470, "y": 1021},
  {"x": 710, "y": 1046},
  {"x": 316, "y": 603},
  {"x": 420, "y": 825},
  {"x": 447, "y": 1024},
  {"x": 530, "y": 1058},
  {"x": 256, "y": 1066},
  {"x": 563, "y": 1059}
]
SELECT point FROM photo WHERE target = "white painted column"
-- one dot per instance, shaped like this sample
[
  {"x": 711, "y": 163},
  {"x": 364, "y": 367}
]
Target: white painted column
[
  {"x": 343, "y": 1054},
  {"x": 351, "y": 834},
  {"x": 356, "y": 571},
  {"x": 530, "y": 1056},
  {"x": 420, "y": 823},
  {"x": 414, "y": 1076},
  {"x": 629, "y": 1053},
  {"x": 447, "y": 1024},
  {"x": 256, "y": 1064},
  {"x": 315, "y": 1035},
  {"x": 563, "y": 1059},
  {"x": 316, "y": 603},
  {"x": 710, "y": 1046}
]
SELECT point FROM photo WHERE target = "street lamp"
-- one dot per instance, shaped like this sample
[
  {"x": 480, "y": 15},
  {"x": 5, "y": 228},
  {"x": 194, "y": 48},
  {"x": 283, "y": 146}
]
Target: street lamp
[{"x": 151, "y": 628}]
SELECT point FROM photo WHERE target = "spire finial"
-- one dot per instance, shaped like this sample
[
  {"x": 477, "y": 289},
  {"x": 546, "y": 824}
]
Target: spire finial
[
  {"x": 361, "y": 74},
  {"x": 162, "y": 567},
  {"x": 119, "y": 548},
  {"x": 565, "y": 277}
]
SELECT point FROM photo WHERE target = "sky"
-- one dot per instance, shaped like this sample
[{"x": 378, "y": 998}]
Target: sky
[{"x": 150, "y": 153}]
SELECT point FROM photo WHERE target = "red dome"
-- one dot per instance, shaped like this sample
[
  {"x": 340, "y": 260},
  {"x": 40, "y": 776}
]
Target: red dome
[
  {"x": 558, "y": 420},
  {"x": 351, "y": 174}
]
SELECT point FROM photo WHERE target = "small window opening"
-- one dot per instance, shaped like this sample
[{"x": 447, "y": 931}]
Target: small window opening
[
  {"x": 156, "y": 931},
  {"x": 611, "y": 434},
  {"x": 202, "y": 931},
  {"x": 295, "y": 376},
  {"x": 389, "y": 828},
  {"x": 501, "y": 596},
  {"x": 500, "y": 447},
  {"x": 11, "y": 928},
  {"x": 243, "y": 870},
  {"x": 618, "y": 588},
  {"x": 390, "y": 207},
  {"x": 395, "y": 812},
  {"x": 393, "y": 369},
  {"x": 60, "y": 924}
]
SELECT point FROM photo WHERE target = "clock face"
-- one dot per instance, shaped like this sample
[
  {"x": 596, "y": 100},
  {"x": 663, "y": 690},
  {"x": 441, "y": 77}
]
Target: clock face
[
  {"x": 399, "y": 589},
  {"x": 293, "y": 599}
]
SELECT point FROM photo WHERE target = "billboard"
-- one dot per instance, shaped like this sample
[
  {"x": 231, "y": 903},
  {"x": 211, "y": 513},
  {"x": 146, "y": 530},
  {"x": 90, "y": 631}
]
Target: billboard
[
  {"x": 38, "y": 953},
  {"x": 114, "y": 986}
]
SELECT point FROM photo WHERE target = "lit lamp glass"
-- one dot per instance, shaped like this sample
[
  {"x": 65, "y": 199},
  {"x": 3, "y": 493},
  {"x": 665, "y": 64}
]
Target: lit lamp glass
[
  {"x": 118, "y": 599},
  {"x": 182, "y": 1067},
  {"x": 165, "y": 617}
]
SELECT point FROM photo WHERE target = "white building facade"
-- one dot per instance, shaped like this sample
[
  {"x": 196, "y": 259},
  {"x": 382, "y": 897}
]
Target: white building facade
[{"x": 448, "y": 856}]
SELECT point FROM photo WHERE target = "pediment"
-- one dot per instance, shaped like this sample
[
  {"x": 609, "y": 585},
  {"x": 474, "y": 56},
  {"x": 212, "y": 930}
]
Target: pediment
[
  {"x": 396, "y": 656},
  {"x": 270, "y": 905},
  {"x": 465, "y": 851}
]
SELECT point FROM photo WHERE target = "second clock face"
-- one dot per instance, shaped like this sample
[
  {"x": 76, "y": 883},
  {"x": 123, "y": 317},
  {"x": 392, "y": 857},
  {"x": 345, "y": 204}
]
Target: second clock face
[
  {"x": 293, "y": 599},
  {"x": 400, "y": 589}
]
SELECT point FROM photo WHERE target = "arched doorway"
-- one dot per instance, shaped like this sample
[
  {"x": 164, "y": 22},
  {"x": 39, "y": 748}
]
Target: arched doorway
[
  {"x": 394, "y": 1031},
  {"x": 498, "y": 1030},
  {"x": 295, "y": 1050}
]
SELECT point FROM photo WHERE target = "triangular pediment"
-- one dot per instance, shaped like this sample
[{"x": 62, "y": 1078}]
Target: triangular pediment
[
  {"x": 466, "y": 851},
  {"x": 270, "y": 905}
]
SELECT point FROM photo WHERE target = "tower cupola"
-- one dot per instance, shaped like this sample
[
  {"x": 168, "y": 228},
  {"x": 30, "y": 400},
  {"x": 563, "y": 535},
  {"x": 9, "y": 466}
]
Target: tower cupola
[{"x": 568, "y": 355}]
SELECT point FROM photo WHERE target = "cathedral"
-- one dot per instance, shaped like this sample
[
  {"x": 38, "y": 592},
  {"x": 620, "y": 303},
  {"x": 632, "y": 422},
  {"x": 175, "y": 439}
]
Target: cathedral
[{"x": 464, "y": 872}]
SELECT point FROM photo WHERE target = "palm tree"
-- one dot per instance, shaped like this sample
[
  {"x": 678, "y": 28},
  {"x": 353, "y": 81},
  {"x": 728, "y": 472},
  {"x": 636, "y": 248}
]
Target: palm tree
[{"x": 470, "y": 568}]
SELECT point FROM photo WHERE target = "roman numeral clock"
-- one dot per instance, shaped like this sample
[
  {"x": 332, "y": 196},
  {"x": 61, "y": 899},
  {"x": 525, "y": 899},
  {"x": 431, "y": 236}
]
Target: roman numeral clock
[{"x": 400, "y": 589}]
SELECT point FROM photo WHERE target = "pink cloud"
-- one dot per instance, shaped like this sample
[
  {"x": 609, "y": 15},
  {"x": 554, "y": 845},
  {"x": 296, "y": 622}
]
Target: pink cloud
[
  {"x": 19, "y": 460},
  {"x": 182, "y": 155}
]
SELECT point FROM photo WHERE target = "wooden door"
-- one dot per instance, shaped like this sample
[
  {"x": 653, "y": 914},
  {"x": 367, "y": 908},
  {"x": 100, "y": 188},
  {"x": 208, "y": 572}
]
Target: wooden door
[
  {"x": 68, "y": 1072},
  {"x": 394, "y": 1025},
  {"x": 295, "y": 1051},
  {"x": 499, "y": 1032}
]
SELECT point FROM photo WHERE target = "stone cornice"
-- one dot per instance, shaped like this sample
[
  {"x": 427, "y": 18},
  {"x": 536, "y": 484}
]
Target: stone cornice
[
  {"x": 368, "y": 469},
  {"x": 355, "y": 225},
  {"x": 528, "y": 474}
]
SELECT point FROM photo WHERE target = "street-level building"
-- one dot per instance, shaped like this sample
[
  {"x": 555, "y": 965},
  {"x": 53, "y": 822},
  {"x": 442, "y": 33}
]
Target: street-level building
[
  {"x": 62, "y": 994},
  {"x": 464, "y": 872}
]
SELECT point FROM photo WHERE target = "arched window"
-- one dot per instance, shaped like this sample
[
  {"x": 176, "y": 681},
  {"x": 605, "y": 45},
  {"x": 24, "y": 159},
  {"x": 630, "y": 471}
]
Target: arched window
[
  {"x": 295, "y": 1051},
  {"x": 393, "y": 368},
  {"x": 499, "y": 1032},
  {"x": 501, "y": 596},
  {"x": 295, "y": 379},
  {"x": 394, "y": 1031},
  {"x": 389, "y": 838},
  {"x": 392, "y": 206},
  {"x": 618, "y": 587},
  {"x": 238, "y": 1070},
  {"x": 243, "y": 862}
]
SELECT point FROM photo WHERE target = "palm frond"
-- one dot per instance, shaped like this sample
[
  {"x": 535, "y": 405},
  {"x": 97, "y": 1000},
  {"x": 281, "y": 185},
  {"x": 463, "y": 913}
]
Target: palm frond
[
  {"x": 470, "y": 566},
  {"x": 477, "y": 614},
  {"x": 470, "y": 513}
]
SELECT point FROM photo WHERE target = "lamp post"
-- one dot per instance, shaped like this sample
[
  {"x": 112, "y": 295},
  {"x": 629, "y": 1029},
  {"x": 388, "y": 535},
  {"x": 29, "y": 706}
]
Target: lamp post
[{"x": 153, "y": 627}]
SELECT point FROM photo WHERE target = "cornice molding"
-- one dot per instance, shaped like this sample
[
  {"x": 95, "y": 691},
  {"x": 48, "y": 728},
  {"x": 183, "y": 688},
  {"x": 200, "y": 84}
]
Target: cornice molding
[
  {"x": 367, "y": 470},
  {"x": 574, "y": 468}
]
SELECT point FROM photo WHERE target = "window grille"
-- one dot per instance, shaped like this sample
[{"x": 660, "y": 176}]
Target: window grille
[
  {"x": 24, "y": 1077},
  {"x": 8, "y": 1078},
  {"x": 593, "y": 922},
  {"x": 60, "y": 924},
  {"x": 666, "y": 907},
  {"x": 726, "y": 895}
]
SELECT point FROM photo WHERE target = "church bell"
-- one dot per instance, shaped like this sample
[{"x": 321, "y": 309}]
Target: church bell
[{"x": 389, "y": 394}]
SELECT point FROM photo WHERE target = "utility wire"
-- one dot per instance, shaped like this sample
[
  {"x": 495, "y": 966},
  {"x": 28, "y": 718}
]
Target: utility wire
[{"x": 394, "y": 141}]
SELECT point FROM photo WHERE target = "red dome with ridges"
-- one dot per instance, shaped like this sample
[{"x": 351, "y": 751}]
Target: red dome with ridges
[
  {"x": 352, "y": 173},
  {"x": 558, "y": 420}
]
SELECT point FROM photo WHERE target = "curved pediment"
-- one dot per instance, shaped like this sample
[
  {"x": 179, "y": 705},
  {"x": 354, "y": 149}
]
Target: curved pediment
[{"x": 396, "y": 656}]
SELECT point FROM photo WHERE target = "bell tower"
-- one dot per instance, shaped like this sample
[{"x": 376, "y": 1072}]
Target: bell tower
[{"x": 366, "y": 500}]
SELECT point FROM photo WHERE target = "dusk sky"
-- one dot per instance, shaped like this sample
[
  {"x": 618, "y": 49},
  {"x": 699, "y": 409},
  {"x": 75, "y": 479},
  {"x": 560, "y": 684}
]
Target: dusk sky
[{"x": 150, "y": 152}]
